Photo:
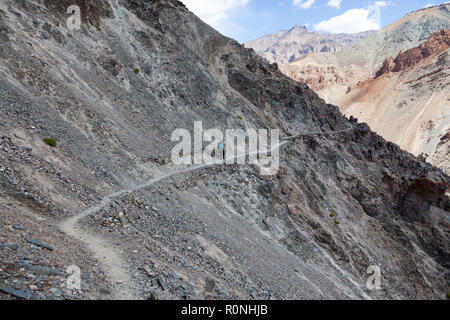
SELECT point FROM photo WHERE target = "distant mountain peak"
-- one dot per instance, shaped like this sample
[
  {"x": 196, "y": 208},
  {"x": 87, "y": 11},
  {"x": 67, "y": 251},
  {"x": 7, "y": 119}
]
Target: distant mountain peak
[
  {"x": 286, "y": 46},
  {"x": 299, "y": 28}
]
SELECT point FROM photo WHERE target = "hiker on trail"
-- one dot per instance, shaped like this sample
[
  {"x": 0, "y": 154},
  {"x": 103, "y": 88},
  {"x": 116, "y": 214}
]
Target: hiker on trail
[{"x": 222, "y": 150}]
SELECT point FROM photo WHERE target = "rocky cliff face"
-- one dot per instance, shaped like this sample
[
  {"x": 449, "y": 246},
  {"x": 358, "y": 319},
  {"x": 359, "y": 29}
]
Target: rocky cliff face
[
  {"x": 332, "y": 75},
  {"x": 407, "y": 101},
  {"x": 438, "y": 42},
  {"x": 286, "y": 46},
  {"x": 108, "y": 200}
]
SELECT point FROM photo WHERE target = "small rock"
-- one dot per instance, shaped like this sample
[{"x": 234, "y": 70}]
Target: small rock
[
  {"x": 148, "y": 270},
  {"x": 16, "y": 293},
  {"x": 210, "y": 284},
  {"x": 162, "y": 284},
  {"x": 55, "y": 291},
  {"x": 43, "y": 270},
  {"x": 153, "y": 296},
  {"x": 39, "y": 244},
  {"x": 13, "y": 247},
  {"x": 105, "y": 291}
]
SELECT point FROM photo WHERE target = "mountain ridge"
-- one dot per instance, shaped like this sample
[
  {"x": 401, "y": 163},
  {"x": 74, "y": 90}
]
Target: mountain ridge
[
  {"x": 438, "y": 42},
  {"x": 407, "y": 100},
  {"x": 286, "y": 46},
  {"x": 111, "y": 95},
  {"x": 331, "y": 75}
]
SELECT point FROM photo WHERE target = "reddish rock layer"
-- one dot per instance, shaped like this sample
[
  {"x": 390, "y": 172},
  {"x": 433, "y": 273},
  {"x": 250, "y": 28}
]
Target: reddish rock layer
[
  {"x": 429, "y": 189},
  {"x": 437, "y": 43}
]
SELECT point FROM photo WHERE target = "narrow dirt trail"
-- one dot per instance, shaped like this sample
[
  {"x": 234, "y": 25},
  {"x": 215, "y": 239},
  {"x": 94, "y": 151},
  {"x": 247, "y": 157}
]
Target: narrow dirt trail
[{"x": 107, "y": 254}]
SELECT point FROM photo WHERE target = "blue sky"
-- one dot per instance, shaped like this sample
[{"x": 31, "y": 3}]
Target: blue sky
[{"x": 245, "y": 20}]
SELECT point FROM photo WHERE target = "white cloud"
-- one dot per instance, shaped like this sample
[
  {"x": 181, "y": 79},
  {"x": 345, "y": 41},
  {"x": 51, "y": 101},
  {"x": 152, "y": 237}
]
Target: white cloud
[
  {"x": 355, "y": 20},
  {"x": 214, "y": 12},
  {"x": 381, "y": 3},
  {"x": 429, "y": 5},
  {"x": 220, "y": 14},
  {"x": 303, "y": 4},
  {"x": 352, "y": 21},
  {"x": 334, "y": 3}
]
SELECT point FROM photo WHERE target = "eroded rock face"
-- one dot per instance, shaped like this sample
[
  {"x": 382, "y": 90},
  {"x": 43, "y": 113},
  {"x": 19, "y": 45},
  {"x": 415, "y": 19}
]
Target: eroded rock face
[
  {"x": 430, "y": 190},
  {"x": 111, "y": 98},
  {"x": 359, "y": 63},
  {"x": 422, "y": 201},
  {"x": 407, "y": 100},
  {"x": 437, "y": 43},
  {"x": 388, "y": 66}
]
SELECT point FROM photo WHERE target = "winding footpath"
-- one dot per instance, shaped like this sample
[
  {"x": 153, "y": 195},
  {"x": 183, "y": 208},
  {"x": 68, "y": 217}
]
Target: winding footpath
[{"x": 107, "y": 254}]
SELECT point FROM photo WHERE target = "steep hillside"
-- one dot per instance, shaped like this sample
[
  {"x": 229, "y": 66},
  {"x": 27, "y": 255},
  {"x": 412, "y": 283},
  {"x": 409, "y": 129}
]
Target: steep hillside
[
  {"x": 286, "y": 46},
  {"x": 408, "y": 100},
  {"x": 107, "y": 199},
  {"x": 331, "y": 75}
]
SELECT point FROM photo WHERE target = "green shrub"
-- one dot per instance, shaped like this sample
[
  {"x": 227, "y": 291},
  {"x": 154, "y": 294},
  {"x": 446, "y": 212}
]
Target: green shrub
[
  {"x": 240, "y": 118},
  {"x": 2, "y": 12},
  {"x": 448, "y": 296},
  {"x": 136, "y": 70},
  {"x": 332, "y": 215},
  {"x": 337, "y": 222},
  {"x": 51, "y": 142}
]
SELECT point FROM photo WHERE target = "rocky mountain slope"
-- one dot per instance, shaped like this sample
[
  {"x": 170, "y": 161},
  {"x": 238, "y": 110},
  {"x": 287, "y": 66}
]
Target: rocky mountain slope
[
  {"x": 286, "y": 46},
  {"x": 107, "y": 199},
  {"x": 408, "y": 102},
  {"x": 332, "y": 75}
]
